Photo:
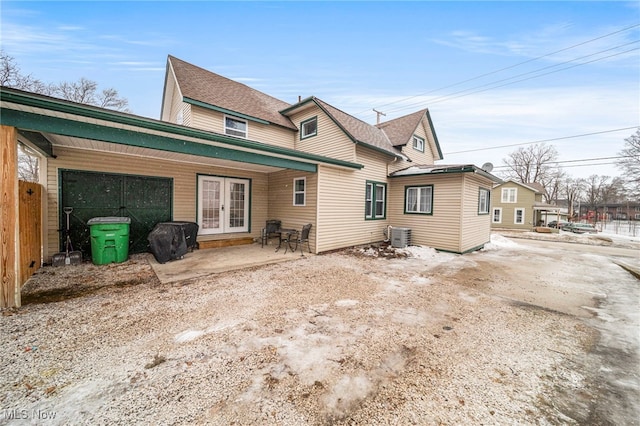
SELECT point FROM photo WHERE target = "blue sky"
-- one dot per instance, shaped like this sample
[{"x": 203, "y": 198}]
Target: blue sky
[{"x": 491, "y": 73}]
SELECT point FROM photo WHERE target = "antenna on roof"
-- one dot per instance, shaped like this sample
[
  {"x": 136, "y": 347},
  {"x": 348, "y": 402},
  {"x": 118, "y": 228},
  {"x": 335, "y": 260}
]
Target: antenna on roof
[{"x": 378, "y": 116}]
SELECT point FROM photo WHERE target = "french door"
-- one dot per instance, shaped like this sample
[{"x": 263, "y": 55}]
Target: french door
[{"x": 223, "y": 205}]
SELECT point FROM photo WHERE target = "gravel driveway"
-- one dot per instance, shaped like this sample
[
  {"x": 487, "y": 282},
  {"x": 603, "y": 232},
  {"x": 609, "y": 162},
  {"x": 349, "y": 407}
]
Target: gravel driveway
[{"x": 353, "y": 337}]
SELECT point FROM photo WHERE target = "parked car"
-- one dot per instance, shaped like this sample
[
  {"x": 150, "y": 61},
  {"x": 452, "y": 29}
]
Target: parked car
[
  {"x": 580, "y": 228},
  {"x": 556, "y": 224}
]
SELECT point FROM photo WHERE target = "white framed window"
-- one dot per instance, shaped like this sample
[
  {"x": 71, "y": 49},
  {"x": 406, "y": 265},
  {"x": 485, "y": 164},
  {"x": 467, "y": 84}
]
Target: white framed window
[
  {"x": 309, "y": 128},
  {"x": 299, "y": 191},
  {"x": 518, "y": 217},
  {"x": 496, "y": 216},
  {"x": 375, "y": 200},
  {"x": 483, "y": 201},
  {"x": 509, "y": 195},
  {"x": 418, "y": 143},
  {"x": 235, "y": 127},
  {"x": 637, "y": 216},
  {"x": 418, "y": 199}
]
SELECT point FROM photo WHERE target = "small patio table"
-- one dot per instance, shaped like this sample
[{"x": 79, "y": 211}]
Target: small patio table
[{"x": 288, "y": 232}]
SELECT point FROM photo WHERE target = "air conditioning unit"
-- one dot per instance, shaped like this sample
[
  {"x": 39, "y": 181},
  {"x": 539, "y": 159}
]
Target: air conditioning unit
[{"x": 400, "y": 237}]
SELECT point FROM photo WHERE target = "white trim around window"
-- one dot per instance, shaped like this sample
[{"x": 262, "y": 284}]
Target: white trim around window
[
  {"x": 509, "y": 195},
  {"x": 234, "y": 126},
  {"x": 483, "y": 201},
  {"x": 309, "y": 128},
  {"x": 518, "y": 216},
  {"x": 496, "y": 216},
  {"x": 418, "y": 143},
  {"x": 300, "y": 191}
]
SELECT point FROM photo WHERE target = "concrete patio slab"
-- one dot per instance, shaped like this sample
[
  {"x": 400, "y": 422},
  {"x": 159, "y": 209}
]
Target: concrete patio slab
[{"x": 216, "y": 260}]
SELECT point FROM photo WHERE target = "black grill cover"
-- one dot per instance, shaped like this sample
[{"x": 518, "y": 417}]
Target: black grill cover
[{"x": 172, "y": 240}]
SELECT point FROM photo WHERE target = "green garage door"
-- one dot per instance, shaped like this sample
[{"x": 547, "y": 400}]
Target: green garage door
[{"x": 146, "y": 200}]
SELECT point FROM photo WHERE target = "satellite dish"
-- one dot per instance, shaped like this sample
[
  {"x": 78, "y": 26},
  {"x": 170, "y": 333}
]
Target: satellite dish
[{"x": 487, "y": 167}]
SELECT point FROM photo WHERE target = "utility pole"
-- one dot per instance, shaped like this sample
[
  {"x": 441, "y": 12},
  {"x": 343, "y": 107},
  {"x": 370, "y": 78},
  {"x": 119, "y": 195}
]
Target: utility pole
[{"x": 378, "y": 116}]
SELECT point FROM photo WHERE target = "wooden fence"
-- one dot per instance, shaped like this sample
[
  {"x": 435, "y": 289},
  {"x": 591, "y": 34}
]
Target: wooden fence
[{"x": 30, "y": 228}]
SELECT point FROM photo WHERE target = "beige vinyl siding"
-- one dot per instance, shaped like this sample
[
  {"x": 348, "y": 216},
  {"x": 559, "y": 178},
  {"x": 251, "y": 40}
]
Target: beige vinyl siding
[
  {"x": 476, "y": 228},
  {"x": 331, "y": 141},
  {"x": 206, "y": 119},
  {"x": 525, "y": 200},
  {"x": 441, "y": 230},
  {"x": 423, "y": 158},
  {"x": 184, "y": 177},
  {"x": 341, "y": 198},
  {"x": 280, "y": 202}
]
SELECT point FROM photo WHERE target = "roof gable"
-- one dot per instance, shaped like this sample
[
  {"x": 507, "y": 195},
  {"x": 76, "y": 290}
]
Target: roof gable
[
  {"x": 205, "y": 88},
  {"x": 400, "y": 130},
  {"x": 531, "y": 186}
]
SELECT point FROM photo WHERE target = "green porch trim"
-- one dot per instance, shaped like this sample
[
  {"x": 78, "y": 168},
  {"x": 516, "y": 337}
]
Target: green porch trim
[
  {"x": 39, "y": 141},
  {"x": 223, "y": 110},
  {"x": 435, "y": 137},
  {"x": 68, "y": 127},
  {"x": 476, "y": 248},
  {"x": 59, "y": 105}
]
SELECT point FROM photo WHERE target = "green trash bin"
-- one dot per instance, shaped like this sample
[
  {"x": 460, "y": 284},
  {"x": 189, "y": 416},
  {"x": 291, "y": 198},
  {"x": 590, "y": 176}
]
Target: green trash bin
[{"x": 109, "y": 239}]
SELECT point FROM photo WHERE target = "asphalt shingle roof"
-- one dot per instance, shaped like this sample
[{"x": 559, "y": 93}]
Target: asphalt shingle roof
[
  {"x": 210, "y": 88},
  {"x": 400, "y": 130}
]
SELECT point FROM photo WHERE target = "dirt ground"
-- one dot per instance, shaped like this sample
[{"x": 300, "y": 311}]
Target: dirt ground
[{"x": 508, "y": 335}]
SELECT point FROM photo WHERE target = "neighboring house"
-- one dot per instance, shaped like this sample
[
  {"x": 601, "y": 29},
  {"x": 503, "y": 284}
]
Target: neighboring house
[
  {"x": 516, "y": 205},
  {"x": 628, "y": 210},
  {"x": 229, "y": 157}
]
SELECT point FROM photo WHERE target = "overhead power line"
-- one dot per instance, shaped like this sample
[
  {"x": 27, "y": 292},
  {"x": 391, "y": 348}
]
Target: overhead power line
[
  {"x": 542, "y": 140},
  {"x": 511, "y": 66},
  {"x": 495, "y": 85}
]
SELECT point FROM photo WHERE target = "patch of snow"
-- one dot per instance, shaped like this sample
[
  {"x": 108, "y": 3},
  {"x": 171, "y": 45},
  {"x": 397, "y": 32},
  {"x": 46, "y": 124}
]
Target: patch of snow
[
  {"x": 188, "y": 335},
  {"x": 419, "y": 252},
  {"x": 347, "y": 393},
  {"x": 499, "y": 242},
  {"x": 345, "y": 303}
]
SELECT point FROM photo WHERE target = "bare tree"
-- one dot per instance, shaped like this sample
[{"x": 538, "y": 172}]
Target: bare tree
[
  {"x": 83, "y": 91},
  {"x": 28, "y": 164},
  {"x": 533, "y": 164},
  {"x": 552, "y": 183},
  {"x": 11, "y": 76},
  {"x": 573, "y": 190},
  {"x": 630, "y": 164}
]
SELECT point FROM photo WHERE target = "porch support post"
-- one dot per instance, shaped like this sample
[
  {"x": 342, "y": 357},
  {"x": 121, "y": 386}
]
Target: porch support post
[{"x": 9, "y": 214}]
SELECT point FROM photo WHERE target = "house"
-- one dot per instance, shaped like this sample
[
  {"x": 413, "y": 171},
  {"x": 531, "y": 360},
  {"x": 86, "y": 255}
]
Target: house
[
  {"x": 517, "y": 205},
  {"x": 230, "y": 157}
]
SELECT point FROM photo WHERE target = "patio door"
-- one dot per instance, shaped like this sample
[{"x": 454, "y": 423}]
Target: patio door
[{"x": 223, "y": 205}]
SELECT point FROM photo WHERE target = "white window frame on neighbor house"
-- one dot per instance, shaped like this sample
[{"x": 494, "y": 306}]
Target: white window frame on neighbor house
[
  {"x": 418, "y": 143},
  {"x": 300, "y": 193},
  {"x": 234, "y": 131},
  {"x": 515, "y": 216},
  {"x": 307, "y": 131},
  {"x": 497, "y": 210},
  {"x": 509, "y": 195},
  {"x": 483, "y": 200}
]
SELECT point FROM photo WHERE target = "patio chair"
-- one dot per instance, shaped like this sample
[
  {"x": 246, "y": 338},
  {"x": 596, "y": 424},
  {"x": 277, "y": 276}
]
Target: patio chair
[
  {"x": 271, "y": 230},
  {"x": 294, "y": 239}
]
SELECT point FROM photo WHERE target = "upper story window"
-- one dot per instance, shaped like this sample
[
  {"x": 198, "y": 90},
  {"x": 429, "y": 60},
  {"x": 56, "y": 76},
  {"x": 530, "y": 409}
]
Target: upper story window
[
  {"x": 418, "y": 143},
  {"x": 309, "y": 128},
  {"x": 235, "y": 127},
  {"x": 509, "y": 195},
  {"x": 299, "y": 191},
  {"x": 483, "y": 201}
]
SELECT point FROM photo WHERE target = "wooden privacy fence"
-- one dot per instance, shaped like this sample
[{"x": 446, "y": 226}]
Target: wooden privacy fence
[
  {"x": 20, "y": 222},
  {"x": 30, "y": 228}
]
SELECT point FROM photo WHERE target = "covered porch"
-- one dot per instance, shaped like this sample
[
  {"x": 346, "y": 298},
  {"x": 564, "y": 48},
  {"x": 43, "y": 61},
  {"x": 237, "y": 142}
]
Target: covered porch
[{"x": 156, "y": 169}]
